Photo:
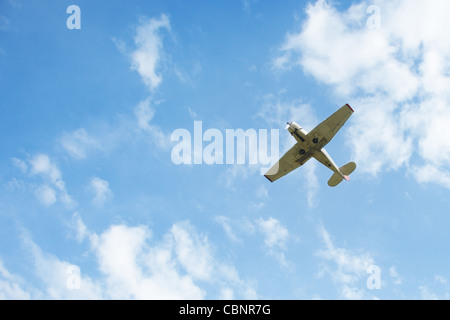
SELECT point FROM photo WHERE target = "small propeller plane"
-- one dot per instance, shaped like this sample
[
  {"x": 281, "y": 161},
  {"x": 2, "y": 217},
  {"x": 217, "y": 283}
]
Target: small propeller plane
[{"x": 312, "y": 145}]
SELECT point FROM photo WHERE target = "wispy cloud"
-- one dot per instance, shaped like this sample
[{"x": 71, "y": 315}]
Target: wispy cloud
[
  {"x": 12, "y": 286},
  {"x": 275, "y": 236},
  {"x": 147, "y": 56},
  {"x": 349, "y": 269},
  {"x": 78, "y": 142},
  {"x": 395, "y": 276},
  {"x": 22, "y": 165},
  {"x": 144, "y": 113},
  {"x": 275, "y": 239},
  {"x": 46, "y": 195},
  {"x": 435, "y": 289},
  {"x": 101, "y": 191},
  {"x": 193, "y": 251},
  {"x": 61, "y": 279},
  {"x": 227, "y": 226},
  {"x": 146, "y": 60},
  {"x": 53, "y": 186}
]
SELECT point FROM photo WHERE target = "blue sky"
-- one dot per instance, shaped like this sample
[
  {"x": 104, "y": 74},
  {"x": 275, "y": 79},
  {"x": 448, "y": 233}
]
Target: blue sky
[{"x": 92, "y": 205}]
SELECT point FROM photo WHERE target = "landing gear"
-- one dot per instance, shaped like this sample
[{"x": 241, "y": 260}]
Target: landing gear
[
  {"x": 316, "y": 140},
  {"x": 302, "y": 152}
]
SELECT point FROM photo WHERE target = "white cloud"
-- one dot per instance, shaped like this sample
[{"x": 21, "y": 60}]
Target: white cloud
[
  {"x": 275, "y": 238},
  {"x": 101, "y": 190},
  {"x": 192, "y": 113},
  {"x": 395, "y": 76},
  {"x": 146, "y": 57},
  {"x": 427, "y": 294},
  {"x": 46, "y": 195},
  {"x": 330, "y": 48},
  {"x": 274, "y": 232},
  {"x": 275, "y": 235},
  {"x": 78, "y": 142},
  {"x": 430, "y": 173},
  {"x": 54, "y": 188},
  {"x": 144, "y": 113},
  {"x": 352, "y": 293},
  {"x": 121, "y": 248},
  {"x": 134, "y": 265},
  {"x": 131, "y": 268},
  {"x": 227, "y": 227},
  {"x": 394, "y": 274},
  {"x": 233, "y": 228},
  {"x": 146, "y": 60},
  {"x": 377, "y": 139},
  {"x": 173, "y": 268},
  {"x": 41, "y": 164},
  {"x": 440, "y": 279},
  {"x": 22, "y": 165},
  {"x": 435, "y": 290},
  {"x": 12, "y": 287},
  {"x": 349, "y": 269},
  {"x": 226, "y": 294},
  {"x": 61, "y": 279},
  {"x": 81, "y": 231},
  {"x": 193, "y": 251}
]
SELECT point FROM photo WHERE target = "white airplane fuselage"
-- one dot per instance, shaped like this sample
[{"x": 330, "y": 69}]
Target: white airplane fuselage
[{"x": 301, "y": 135}]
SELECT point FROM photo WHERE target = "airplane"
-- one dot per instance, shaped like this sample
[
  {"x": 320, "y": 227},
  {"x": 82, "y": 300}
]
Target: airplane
[{"x": 311, "y": 145}]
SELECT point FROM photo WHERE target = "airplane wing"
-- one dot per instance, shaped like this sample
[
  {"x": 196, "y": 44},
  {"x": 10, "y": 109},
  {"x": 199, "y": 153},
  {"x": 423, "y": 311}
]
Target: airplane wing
[
  {"x": 324, "y": 132},
  {"x": 291, "y": 160}
]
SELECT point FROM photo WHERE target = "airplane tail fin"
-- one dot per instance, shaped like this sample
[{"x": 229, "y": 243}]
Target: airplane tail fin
[{"x": 346, "y": 170}]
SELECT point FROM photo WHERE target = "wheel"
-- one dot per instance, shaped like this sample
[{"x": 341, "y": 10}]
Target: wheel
[
  {"x": 316, "y": 140},
  {"x": 302, "y": 152}
]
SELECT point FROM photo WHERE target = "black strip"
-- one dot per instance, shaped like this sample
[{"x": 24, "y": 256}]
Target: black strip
[{"x": 299, "y": 136}]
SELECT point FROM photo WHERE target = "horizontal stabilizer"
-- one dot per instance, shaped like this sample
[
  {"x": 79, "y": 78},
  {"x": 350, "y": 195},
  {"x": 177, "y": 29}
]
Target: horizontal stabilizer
[{"x": 346, "y": 170}]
